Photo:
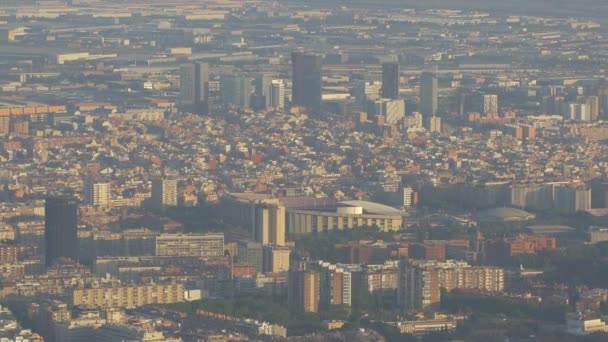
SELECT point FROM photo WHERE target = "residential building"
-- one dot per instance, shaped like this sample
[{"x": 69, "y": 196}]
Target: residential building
[
  {"x": 164, "y": 193},
  {"x": 205, "y": 246},
  {"x": 97, "y": 194},
  {"x": 303, "y": 291},
  {"x": 276, "y": 259},
  {"x": 420, "y": 282},
  {"x": 128, "y": 297}
]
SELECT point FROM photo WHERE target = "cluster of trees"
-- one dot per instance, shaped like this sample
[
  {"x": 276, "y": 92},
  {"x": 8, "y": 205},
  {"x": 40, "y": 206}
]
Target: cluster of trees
[
  {"x": 461, "y": 302},
  {"x": 321, "y": 245},
  {"x": 269, "y": 309}
]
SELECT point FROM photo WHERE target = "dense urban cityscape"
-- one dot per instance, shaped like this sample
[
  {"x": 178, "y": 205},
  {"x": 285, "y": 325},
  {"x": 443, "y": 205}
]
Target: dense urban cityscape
[{"x": 256, "y": 170}]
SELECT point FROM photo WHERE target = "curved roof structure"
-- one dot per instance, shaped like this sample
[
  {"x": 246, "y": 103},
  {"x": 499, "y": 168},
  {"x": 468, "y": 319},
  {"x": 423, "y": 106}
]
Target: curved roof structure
[
  {"x": 372, "y": 208},
  {"x": 505, "y": 214}
]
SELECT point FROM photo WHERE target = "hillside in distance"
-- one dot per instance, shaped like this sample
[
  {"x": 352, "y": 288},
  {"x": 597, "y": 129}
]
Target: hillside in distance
[{"x": 597, "y": 9}]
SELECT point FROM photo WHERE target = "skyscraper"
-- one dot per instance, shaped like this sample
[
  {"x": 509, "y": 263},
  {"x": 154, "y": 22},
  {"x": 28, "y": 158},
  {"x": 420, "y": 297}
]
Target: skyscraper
[
  {"x": 193, "y": 83},
  {"x": 236, "y": 90},
  {"x": 306, "y": 80},
  {"x": 390, "y": 80},
  {"x": 428, "y": 94},
  {"x": 60, "y": 223},
  {"x": 262, "y": 88},
  {"x": 276, "y": 95}
]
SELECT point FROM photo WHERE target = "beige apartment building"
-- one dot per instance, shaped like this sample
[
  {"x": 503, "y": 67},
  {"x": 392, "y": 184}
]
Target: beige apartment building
[{"x": 128, "y": 297}]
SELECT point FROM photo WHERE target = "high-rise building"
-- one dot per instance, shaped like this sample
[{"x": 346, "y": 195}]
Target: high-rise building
[
  {"x": 408, "y": 197},
  {"x": 193, "y": 82},
  {"x": 270, "y": 225},
  {"x": 236, "y": 90},
  {"x": 276, "y": 95},
  {"x": 276, "y": 259},
  {"x": 262, "y": 84},
  {"x": 602, "y": 93},
  {"x": 571, "y": 199},
  {"x": 490, "y": 104},
  {"x": 435, "y": 124},
  {"x": 303, "y": 292},
  {"x": 579, "y": 112},
  {"x": 335, "y": 284},
  {"x": 60, "y": 229},
  {"x": 392, "y": 110},
  {"x": 96, "y": 194},
  {"x": 390, "y": 80},
  {"x": 428, "y": 94},
  {"x": 306, "y": 80},
  {"x": 164, "y": 193},
  {"x": 594, "y": 107},
  {"x": 206, "y": 246},
  {"x": 420, "y": 282},
  {"x": 365, "y": 91}
]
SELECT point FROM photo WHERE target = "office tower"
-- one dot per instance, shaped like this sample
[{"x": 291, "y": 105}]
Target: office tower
[
  {"x": 262, "y": 88},
  {"x": 270, "y": 225},
  {"x": 251, "y": 253},
  {"x": 306, "y": 81},
  {"x": 594, "y": 107},
  {"x": 164, "y": 193},
  {"x": 96, "y": 194},
  {"x": 60, "y": 224},
  {"x": 276, "y": 95},
  {"x": 490, "y": 104},
  {"x": 435, "y": 126},
  {"x": 193, "y": 82},
  {"x": 206, "y": 246},
  {"x": 428, "y": 94},
  {"x": 303, "y": 291},
  {"x": 276, "y": 259},
  {"x": 392, "y": 110},
  {"x": 235, "y": 90},
  {"x": 390, "y": 80},
  {"x": 554, "y": 105}
]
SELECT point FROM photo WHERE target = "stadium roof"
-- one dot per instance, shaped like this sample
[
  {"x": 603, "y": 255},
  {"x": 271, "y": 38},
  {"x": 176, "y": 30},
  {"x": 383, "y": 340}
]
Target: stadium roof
[{"x": 373, "y": 208}]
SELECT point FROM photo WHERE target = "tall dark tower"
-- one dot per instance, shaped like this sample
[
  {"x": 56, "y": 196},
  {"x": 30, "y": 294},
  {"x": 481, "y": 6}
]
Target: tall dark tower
[
  {"x": 306, "y": 80},
  {"x": 60, "y": 221},
  {"x": 428, "y": 94},
  {"x": 193, "y": 84},
  {"x": 390, "y": 80}
]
